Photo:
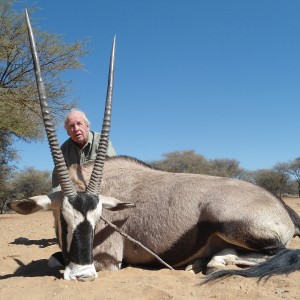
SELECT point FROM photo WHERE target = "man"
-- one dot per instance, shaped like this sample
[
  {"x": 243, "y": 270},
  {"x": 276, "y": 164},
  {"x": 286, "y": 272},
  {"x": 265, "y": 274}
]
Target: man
[
  {"x": 81, "y": 147},
  {"x": 82, "y": 144}
]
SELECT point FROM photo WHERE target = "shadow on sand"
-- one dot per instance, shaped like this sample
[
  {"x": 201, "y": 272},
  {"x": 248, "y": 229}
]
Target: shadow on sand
[
  {"x": 36, "y": 268},
  {"x": 43, "y": 243}
]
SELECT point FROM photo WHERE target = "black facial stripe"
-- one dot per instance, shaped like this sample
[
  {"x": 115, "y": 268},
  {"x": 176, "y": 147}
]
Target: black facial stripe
[{"x": 81, "y": 251}]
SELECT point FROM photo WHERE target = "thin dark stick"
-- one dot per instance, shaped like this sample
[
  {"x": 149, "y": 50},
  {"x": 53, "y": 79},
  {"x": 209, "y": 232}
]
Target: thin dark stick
[{"x": 136, "y": 242}]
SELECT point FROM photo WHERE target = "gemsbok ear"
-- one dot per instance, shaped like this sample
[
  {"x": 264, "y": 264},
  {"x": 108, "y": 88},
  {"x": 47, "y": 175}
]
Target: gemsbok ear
[
  {"x": 114, "y": 204},
  {"x": 36, "y": 203},
  {"x": 25, "y": 206}
]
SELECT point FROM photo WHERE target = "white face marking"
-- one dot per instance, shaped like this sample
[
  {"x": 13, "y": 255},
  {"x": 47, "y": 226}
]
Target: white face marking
[
  {"x": 73, "y": 218},
  {"x": 94, "y": 215}
]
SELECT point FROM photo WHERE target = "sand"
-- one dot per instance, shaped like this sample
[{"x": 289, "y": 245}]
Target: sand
[{"x": 28, "y": 241}]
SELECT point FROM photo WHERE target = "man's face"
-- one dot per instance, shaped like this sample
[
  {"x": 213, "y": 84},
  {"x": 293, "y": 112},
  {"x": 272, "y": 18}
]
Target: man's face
[{"x": 77, "y": 128}]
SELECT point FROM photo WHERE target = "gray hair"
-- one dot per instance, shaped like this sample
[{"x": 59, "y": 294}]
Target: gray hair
[{"x": 73, "y": 110}]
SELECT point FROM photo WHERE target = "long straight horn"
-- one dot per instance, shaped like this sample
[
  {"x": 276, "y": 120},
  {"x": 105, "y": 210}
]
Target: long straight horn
[
  {"x": 97, "y": 173},
  {"x": 59, "y": 162}
]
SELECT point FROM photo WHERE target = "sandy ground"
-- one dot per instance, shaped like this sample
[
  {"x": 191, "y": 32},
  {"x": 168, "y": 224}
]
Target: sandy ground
[{"x": 28, "y": 241}]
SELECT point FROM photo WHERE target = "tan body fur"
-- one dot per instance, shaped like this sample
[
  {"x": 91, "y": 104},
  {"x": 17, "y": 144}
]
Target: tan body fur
[{"x": 183, "y": 217}]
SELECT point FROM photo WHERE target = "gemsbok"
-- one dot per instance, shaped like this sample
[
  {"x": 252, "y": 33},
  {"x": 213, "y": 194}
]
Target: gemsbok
[{"x": 186, "y": 219}]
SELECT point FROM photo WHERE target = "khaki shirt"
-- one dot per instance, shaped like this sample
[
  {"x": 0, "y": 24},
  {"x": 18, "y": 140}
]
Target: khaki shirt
[{"x": 74, "y": 155}]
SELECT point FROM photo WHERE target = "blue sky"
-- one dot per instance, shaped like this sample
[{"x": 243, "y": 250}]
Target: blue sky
[{"x": 218, "y": 77}]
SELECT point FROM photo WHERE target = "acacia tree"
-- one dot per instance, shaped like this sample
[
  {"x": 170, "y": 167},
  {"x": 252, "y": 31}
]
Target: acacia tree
[
  {"x": 7, "y": 154},
  {"x": 268, "y": 179},
  {"x": 189, "y": 161},
  {"x": 182, "y": 162},
  {"x": 19, "y": 105},
  {"x": 31, "y": 182},
  {"x": 294, "y": 170},
  {"x": 283, "y": 177},
  {"x": 226, "y": 168}
]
